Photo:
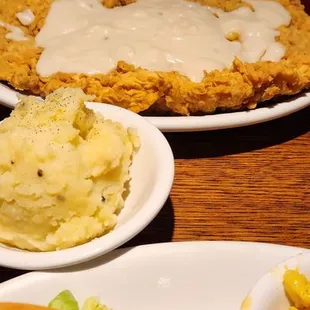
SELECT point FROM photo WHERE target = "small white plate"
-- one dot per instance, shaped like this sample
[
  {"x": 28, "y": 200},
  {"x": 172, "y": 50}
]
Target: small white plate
[
  {"x": 207, "y": 122},
  {"x": 152, "y": 175},
  {"x": 169, "y": 276},
  {"x": 268, "y": 293}
]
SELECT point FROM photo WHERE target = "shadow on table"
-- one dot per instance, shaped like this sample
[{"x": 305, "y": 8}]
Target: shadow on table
[
  {"x": 159, "y": 230},
  {"x": 4, "y": 111},
  {"x": 8, "y": 274},
  {"x": 239, "y": 140}
]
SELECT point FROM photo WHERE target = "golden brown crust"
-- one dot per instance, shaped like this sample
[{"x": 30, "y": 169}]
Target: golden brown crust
[
  {"x": 113, "y": 3},
  {"x": 241, "y": 87}
]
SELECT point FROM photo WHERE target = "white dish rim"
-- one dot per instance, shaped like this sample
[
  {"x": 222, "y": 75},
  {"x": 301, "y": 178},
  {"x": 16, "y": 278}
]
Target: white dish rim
[
  {"x": 208, "y": 122},
  {"x": 158, "y": 252},
  {"x": 164, "y": 247},
  {"x": 258, "y": 293}
]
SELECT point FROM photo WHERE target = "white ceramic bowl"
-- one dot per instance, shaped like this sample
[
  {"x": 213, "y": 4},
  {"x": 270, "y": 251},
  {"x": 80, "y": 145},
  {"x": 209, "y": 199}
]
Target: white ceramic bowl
[
  {"x": 268, "y": 293},
  {"x": 152, "y": 175}
]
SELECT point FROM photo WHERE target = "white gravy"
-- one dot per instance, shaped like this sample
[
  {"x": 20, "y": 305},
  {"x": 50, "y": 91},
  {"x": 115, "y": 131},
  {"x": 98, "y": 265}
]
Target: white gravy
[
  {"x": 26, "y": 17},
  {"x": 82, "y": 36},
  {"x": 14, "y": 33}
]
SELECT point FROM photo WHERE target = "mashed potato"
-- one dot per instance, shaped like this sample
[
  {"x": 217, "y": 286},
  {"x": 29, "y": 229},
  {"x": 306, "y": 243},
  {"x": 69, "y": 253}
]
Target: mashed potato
[{"x": 63, "y": 172}]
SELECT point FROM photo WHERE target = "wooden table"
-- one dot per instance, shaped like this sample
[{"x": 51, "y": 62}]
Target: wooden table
[{"x": 245, "y": 184}]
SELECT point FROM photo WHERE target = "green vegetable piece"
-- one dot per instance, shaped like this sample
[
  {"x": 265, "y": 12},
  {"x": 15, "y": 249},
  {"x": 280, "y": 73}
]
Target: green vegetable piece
[
  {"x": 92, "y": 303},
  {"x": 64, "y": 301}
]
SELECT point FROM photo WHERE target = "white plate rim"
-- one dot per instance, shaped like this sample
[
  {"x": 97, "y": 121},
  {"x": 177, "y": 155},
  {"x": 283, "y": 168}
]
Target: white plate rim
[
  {"x": 165, "y": 247},
  {"x": 24, "y": 260},
  {"x": 232, "y": 119},
  {"x": 127, "y": 257},
  {"x": 208, "y": 122}
]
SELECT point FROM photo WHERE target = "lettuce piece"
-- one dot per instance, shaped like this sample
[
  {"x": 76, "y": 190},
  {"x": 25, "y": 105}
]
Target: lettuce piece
[
  {"x": 64, "y": 301},
  {"x": 92, "y": 303}
]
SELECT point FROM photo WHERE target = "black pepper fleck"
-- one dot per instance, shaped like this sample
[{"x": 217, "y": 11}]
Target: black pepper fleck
[
  {"x": 103, "y": 199},
  {"x": 40, "y": 172},
  {"x": 61, "y": 198}
]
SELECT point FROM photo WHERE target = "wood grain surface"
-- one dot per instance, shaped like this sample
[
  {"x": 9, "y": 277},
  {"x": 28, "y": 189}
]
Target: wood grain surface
[{"x": 244, "y": 184}]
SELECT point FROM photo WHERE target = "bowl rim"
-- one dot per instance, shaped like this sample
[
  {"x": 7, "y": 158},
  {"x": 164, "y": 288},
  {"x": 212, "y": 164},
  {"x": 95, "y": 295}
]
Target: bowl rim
[{"x": 262, "y": 287}]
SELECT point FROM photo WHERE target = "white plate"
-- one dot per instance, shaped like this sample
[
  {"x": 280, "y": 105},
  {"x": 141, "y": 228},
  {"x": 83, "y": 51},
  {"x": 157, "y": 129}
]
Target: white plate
[
  {"x": 152, "y": 175},
  {"x": 208, "y": 122},
  {"x": 268, "y": 293},
  {"x": 170, "y": 276}
]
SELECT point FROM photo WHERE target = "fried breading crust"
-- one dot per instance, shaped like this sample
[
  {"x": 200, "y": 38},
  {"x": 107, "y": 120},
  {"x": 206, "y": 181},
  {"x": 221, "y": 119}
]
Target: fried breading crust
[
  {"x": 113, "y": 3},
  {"x": 241, "y": 87}
]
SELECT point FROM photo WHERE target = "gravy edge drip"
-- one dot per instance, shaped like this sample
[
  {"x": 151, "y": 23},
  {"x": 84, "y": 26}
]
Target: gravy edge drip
[
  {"x": 14, "y": 33},
  {"x": 26, "y": 17},
  {"x": 82, "y": 36}
]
